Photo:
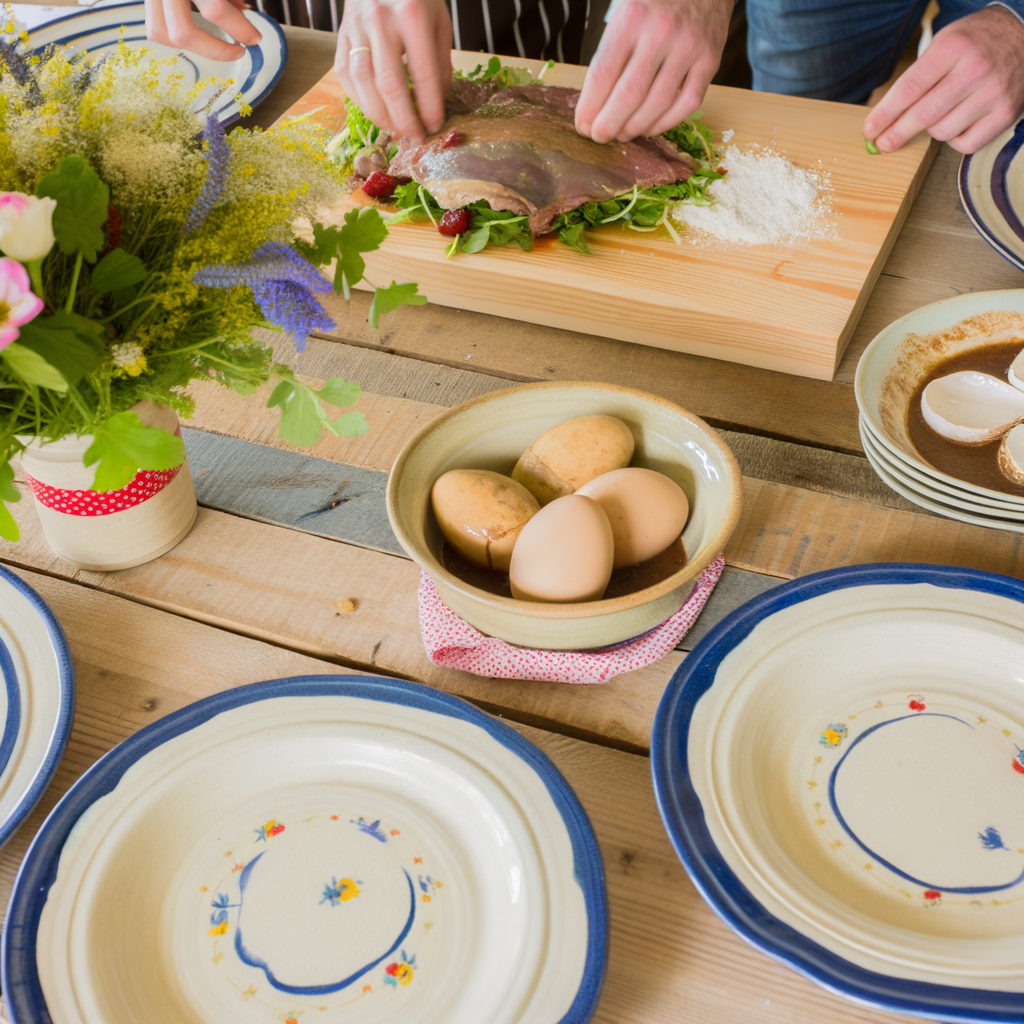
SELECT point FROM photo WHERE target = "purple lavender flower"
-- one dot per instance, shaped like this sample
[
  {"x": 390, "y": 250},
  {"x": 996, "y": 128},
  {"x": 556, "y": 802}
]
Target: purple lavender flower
[
  {"x": 282, "y": 283},
  {"x": 15, "y": 59},
  {"x": 217, "y": 156}
]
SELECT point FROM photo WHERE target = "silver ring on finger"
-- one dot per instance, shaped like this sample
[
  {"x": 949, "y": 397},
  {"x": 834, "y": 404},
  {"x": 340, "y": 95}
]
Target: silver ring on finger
[{"x": 358, "y": 49}]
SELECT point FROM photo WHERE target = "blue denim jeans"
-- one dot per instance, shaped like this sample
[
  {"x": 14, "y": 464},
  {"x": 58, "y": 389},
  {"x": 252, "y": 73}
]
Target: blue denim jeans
[{"x": 838, "y": 49}]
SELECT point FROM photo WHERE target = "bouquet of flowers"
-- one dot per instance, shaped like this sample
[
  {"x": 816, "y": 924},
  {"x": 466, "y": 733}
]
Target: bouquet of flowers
[{"x": 139, "y": 246}]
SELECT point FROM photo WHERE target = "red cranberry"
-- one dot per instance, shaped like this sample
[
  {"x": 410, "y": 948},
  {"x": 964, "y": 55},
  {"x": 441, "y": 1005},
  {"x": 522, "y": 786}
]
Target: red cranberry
[
  {"x": 454, "y": 222},
  {"x": 451, "y": 140},
  {"x": 380, "y": 185}
]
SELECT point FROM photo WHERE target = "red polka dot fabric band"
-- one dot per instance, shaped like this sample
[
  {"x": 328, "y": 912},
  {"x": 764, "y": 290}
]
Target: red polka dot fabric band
[
  {"x": 451, "y": 641},
  {"x": 146, "y": 484}
]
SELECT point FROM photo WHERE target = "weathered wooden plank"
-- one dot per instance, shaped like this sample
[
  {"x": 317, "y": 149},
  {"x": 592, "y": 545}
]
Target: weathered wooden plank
[{"x": 667, "y": 948}]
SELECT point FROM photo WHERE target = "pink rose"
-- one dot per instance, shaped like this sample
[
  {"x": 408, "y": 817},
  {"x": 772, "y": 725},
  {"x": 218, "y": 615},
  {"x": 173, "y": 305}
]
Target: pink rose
[{"x": 18, "y": 304}]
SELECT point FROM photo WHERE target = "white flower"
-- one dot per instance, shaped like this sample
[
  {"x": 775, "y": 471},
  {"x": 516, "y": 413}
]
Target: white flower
[{"x": 26, "y": 228}]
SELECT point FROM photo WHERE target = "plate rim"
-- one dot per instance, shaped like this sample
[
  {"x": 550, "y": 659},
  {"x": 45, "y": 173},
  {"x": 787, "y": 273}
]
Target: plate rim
[
  {"x": 963, "y": 172},
  {"x": 19, "y": 976},
  {"x": 683, "y": 815},
  {"x": 65, "y": 708},
  {"x": 261, "y": 16}
]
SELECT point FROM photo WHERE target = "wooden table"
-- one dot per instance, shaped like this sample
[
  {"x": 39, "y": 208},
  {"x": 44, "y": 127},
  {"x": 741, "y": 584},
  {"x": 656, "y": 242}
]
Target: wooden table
[{"x": 283, "y": 536}]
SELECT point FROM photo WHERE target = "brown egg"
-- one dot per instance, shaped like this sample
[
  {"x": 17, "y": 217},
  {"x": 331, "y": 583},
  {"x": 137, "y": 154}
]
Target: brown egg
[
  {"x": 566, "y": 457},
  {"x": 564, "y": 553},
  {"x": 481, "y": 513},
  {"x": 647, "y": 511}
]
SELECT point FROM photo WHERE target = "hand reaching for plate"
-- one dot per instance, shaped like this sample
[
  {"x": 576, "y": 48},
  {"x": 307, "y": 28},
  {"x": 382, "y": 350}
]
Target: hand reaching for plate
[
  {"x": 374, "y": 36},
  {"x": 965, "y": 89},
  {"x": 654, "y": 64},
  {"x": 170, "y": 22}
]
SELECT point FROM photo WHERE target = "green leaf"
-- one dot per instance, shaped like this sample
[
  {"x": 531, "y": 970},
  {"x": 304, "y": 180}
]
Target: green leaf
[
  {"x": 352, "y": 424},
  {"x": 363, "y": 231},
  {"x": 118, "y": 269},
  {"x": 387, "y": 299},
  {"x": 302, "y": 416},
  {"x": 340, "y": 393},
  {"x": 71, "y": 343},
  {"x": 8, "y": 492},
  {"x": 474, "y": 241},
  {"x": 573, "y": 237},
  {"x": 32, "y": 368},
  {"x": 8, "y": 527},
  {"x": 872, "y": 148},
  {"x": 123, "y": 446},
  {"x": 82, "y": 201}
]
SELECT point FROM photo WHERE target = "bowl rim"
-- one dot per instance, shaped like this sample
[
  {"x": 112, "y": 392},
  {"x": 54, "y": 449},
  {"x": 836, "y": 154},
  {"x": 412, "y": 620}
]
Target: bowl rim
[{"x": 579, "y": 609}]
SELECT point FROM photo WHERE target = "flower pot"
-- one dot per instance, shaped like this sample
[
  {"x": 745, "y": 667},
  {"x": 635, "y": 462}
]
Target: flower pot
[{"x": 114, "y": 529}]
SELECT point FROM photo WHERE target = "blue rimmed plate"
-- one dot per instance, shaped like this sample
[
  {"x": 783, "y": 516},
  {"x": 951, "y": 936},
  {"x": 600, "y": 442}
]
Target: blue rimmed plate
[
  {"x": 991, "y": 184},
  {"x": 363, "y": 848},
  {"x": 840, "y": 766},
  {"x": 97, "y": 31},
  {"x": 37, "y": 699}
]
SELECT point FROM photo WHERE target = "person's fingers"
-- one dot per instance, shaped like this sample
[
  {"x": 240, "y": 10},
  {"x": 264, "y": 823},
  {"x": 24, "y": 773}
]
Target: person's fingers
[
  {"x": 613, "y": 54},
  {"x": 362, "y": 84},
  {"x": 691, "y": 96},
  {"x": 229, "y": 17},
  {"x": 156, "y": 26},
  {"x": 981, "y": 133},
  {"x": 630, "y": 91},
  {"x": 424, "y": 67},
  {"x": 182, "y": 31},
  {"x": 389, "y": 74},
  {"x": 929, "y": 110},
  {"x": 962, "y": 115},
  {"x": 923, "y": 75},
  {"x": 660, "y": 98}
]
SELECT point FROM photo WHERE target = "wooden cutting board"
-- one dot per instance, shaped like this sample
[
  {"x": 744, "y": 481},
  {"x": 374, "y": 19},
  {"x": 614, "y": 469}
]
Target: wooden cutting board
[{"x": 791, "y": 308}]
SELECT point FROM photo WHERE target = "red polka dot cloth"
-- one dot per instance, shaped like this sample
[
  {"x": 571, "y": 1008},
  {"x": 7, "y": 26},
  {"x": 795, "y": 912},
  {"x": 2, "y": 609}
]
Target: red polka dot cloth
[
  {"x": 147, "y": 483},
  {"x": 454, "y": 643}
]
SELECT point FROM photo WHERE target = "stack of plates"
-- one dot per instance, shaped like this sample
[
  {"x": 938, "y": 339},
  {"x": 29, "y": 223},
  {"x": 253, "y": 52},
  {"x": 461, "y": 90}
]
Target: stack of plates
[
  {"x": 888, "y": 374},
  {"x": 840, "y": 766}
]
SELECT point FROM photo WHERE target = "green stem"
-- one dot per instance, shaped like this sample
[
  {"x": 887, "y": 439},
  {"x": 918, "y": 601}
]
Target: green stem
[
  {"x": 35, "y": 272},
  {"x": 74, "y": 284}
]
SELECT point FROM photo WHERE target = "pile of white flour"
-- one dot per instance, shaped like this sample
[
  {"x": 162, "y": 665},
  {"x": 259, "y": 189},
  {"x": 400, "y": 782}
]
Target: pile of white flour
[{"x": 763, "y": 199}]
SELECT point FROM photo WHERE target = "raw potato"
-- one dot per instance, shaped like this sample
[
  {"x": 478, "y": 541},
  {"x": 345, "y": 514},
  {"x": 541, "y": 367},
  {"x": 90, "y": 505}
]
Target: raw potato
[
  {"x": 567, "y": 456},
  {"x": 647, "y": 510},
  {"x": 481, "y": 513},
  {"x": 564, "y": 553}
]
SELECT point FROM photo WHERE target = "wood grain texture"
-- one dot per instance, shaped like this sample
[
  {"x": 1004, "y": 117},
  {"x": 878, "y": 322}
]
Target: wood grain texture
[
  {"x": 791, "y": 308},
  {"x": 668, "y": 953}
]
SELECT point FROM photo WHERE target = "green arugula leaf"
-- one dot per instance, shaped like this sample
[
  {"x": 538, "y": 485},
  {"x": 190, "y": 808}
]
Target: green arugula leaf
[
  {"x": 117, "y": 270},
  {"x": 363, "y": 231},
  {"x": 32, "y": 368},
  {"x": 475, "y": 240},
  {"x": 122, "y": 446},
  {"x": 385, "y": 300},
  {"x": 573, "y": 237},
  {"x": 340, "y": 393},
  {"x": 72, "y": 344},
  {"x": 82, "y": 201}
]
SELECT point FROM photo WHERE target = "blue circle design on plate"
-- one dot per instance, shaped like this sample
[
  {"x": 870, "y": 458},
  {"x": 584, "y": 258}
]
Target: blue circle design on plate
[
  {"x": 19, "y": 976},
  {"x": 968, "y": 889},
  {"x": 65, "y": 710},
  {"x": 313, "y": 990},
  {"x": 683, "y": 815}
]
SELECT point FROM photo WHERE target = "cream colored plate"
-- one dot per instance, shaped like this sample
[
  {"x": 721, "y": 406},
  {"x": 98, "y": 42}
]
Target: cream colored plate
[
  {"x": 336, "y": 849},
  {"x": 854, "y": 801}
]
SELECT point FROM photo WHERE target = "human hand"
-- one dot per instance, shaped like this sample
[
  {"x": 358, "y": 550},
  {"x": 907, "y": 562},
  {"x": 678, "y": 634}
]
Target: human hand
[
  {"x": 374, "y": 35},
  {"x": 965, "y": 89},
  {"x": 653, "y": 67},
  {"x": 170, "y": 22}
]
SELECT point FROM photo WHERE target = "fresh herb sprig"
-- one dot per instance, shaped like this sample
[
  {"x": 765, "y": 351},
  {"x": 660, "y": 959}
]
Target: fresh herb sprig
[{"x": 503, "y": 74}]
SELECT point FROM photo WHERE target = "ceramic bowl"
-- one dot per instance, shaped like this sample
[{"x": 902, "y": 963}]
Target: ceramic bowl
[
  {"x": 492, "y": 431},
  {"x": 899, "y": 357}
]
